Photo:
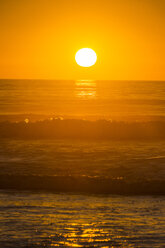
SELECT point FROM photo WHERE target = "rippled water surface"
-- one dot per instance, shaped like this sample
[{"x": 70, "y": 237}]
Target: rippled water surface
[
  {"x": 96, "y": 99},
  {"x": 65, "y": 220}
]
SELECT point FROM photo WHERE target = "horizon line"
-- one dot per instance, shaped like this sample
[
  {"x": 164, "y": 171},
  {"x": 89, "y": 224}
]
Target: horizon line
[{"x": 128, "y": 80}]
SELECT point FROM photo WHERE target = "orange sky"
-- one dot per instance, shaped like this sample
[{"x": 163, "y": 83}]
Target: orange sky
[{"x": 39, "y": 38}]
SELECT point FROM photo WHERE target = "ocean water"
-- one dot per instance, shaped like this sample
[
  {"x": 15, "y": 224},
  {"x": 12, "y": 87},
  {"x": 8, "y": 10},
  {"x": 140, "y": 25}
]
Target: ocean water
[
  {"x": 66, "y": 220},
  {"x": 115, "y": 100},
  {"x": 82, "y": 163},
  {"x": 104, "y": 166}
]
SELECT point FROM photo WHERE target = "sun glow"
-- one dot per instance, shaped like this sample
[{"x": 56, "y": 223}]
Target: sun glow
[{"x": 86, "y": 57}]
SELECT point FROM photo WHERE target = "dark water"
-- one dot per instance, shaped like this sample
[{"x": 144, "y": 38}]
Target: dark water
[
  {"x": 82, "y": 137},
  {"x": 83, "y": 166}
]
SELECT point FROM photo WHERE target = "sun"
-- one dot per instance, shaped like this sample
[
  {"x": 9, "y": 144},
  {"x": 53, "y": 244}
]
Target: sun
[{"x": 86, "y": 57}]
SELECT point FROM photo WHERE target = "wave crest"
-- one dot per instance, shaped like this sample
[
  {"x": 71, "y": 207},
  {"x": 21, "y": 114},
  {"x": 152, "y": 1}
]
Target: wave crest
[{"x": 74, "y": 128}]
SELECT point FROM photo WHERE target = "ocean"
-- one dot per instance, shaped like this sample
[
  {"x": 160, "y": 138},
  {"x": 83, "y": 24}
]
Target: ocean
[
  {"x": 83, "y": 99},
  {"x": 82, "y": 163}
]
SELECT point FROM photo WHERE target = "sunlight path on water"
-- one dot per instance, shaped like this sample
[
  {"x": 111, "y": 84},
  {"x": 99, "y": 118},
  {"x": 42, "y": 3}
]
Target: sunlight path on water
[{"x": 65, "y": 220}]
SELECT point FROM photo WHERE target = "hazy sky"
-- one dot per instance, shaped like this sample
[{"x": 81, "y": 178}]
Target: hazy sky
[{"x": 39, "y": 38}]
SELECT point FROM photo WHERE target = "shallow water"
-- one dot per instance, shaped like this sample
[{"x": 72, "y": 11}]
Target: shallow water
[
  {"x": 74, "y": 165},
  {"x": 65, "y": 220}
]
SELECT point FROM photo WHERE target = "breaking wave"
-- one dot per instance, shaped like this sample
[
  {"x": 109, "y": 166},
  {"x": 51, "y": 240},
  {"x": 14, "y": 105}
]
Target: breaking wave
[
  {"x": 82, "y": 184},
  {"x": 82, "y": 129}
]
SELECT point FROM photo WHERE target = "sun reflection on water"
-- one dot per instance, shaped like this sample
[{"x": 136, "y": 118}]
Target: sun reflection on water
[
  {"x": 65, "y": 220},
  {"x": 78, "y": 235},
  {"x": 85, "y": 89}
]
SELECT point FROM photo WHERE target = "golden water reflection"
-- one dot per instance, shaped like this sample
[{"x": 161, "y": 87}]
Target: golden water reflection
[
  {"x": 79, "y": 235},
  {"x": 85, "y": 89},
  {"x": 66, "y": 220}
]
